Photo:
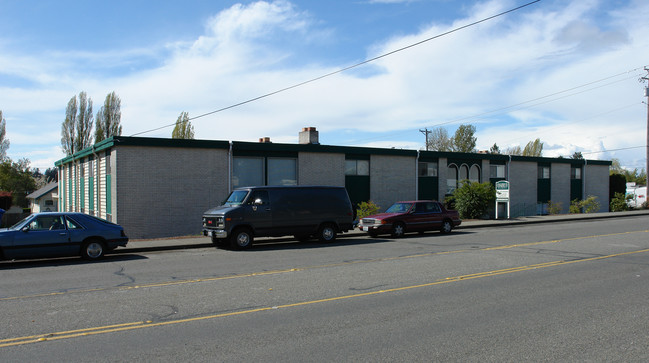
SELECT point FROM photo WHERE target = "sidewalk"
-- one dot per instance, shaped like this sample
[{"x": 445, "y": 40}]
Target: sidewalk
[{"x": 176, "y": 243}]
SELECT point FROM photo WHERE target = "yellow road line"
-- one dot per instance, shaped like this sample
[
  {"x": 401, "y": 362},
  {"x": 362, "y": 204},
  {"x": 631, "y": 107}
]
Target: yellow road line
[
  {"x": 274, "y": 272},
  {"x": 149, "y": 324}
]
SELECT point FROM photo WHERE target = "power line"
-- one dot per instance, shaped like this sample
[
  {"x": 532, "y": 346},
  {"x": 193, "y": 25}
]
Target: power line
[{"x": 347, "y": 68}]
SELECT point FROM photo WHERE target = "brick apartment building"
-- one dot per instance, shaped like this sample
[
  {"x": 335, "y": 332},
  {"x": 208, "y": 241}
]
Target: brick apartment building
[{"x": 158, "y": 187}]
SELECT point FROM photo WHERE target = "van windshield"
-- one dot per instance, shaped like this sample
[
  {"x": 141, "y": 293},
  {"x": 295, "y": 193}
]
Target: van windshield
[{"x": 236, "y": 197}]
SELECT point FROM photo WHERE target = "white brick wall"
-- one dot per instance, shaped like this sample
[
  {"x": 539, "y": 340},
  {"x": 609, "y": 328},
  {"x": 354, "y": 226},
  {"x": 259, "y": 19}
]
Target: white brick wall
[{"x": 164, "y": 191}]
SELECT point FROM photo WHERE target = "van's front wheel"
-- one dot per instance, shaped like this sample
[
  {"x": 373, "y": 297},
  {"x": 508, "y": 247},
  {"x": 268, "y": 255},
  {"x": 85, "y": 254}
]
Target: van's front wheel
[
  {"x": 327, "y": 233},
  {"x": 241, "y": 239}
]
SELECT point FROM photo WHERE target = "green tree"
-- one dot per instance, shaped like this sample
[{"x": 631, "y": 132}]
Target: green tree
[
  {"x": 4, "y": 142},
  {"x": 85, "y": 122},
  {"x": 438, "y": 140},
  {"x": 77, "y": 127},
  {"x": 494, "y": 149},
  {"x": 463, "y": 140},
  {"x": 184, "y": 128},
  {"x": 578, "y": 155},
  {"x": 473, "y": 199},
  {"x": 533, "y": 148},
  {"x": 514, "y": 150},
  {"x": 109, "y": 118},
  {"x": 16, "y": 177}
]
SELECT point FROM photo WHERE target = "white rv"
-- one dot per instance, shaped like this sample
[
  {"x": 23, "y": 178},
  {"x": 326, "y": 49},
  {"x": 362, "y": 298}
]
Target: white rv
[{"x": 636, "y": 196}]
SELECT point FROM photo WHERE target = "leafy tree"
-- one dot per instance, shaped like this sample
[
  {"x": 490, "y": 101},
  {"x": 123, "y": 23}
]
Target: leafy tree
[
  {"x": 635, "y": 176},
  {"x": 514, "y": 150},
  {"x": 365, "y": 209},
  {"x": 616, "y": 166},
  {"x": 439, "y": 140},
  {"x": 76, "y": 130},
  {"x": 184, "y": 128},
  {"x": 533, "y": 148},
  {"x": 463, "y": 140},
  {"x": 578, "y": 155},
  {"x": 108, "y": 118},
  {"x": 616, "y": 184},
  {"x": 494, "y": 149},
  {"x": 85, "y": 122},
  {"x": 68, "y": 129},
  {"x": 4, "y": 142},
  {"x": 473, "y": 199},
  {"x": 618, "y": 203},
  {"x": 16, "y": 177}
]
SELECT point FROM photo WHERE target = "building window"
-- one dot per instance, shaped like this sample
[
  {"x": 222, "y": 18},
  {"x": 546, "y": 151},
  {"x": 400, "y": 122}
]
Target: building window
[
  {"x": 248, "y": 172},
  {"x": 427, "y": 169},
  {"x": 451, "y": 179},
  {"x": 497, "y": 171},
  {"x": 544, "y": 172},
  {"x": 357, "y": 167},
  {"x": 282, "y": 171},
  {"x": 575, "y": 173},
  {"x": 474, "y": 174}
]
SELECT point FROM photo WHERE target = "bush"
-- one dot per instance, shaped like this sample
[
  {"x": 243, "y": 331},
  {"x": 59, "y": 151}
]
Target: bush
[
  {"x": 473, "y": 199},
  {"x": 554, "y": 208},
  {"x": 589, "y": 205},
  {"x": 618, "y": 203},
  {"x": 366, "y": 209}
]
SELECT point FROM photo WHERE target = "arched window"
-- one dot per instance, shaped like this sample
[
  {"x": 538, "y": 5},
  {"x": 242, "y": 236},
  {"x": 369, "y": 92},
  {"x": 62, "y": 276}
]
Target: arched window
[
  {"x": 451, "y": 179},
  {"x": 474, "y": 174}
]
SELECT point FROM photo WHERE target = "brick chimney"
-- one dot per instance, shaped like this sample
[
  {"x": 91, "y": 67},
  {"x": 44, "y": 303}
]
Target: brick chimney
[
  {"x": 309, "y": 135},
  {"x": 265, "y": 140}
]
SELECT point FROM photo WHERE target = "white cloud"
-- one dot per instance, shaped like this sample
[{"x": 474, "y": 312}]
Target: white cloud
[{"x": 251, "y": 50}]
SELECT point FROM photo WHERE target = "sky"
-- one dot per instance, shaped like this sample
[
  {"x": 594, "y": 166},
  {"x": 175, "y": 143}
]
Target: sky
[{"x": 565, "y": 71}]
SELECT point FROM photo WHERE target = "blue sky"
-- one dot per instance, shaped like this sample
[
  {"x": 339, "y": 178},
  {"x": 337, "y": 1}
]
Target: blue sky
[{"x": 565, "y": 71}]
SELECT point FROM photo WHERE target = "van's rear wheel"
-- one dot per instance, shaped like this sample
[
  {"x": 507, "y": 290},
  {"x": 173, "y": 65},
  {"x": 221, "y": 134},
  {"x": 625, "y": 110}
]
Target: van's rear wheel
[
  {"x": 327, "y": 233},
  {"x": 241, "y": 239}
]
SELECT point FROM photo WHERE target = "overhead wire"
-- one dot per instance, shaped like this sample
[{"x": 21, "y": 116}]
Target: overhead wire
[{"x": 346, "y": 68}]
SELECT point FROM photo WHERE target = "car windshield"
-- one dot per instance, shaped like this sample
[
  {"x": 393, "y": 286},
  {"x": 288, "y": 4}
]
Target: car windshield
[
  {"x": 236, "y": 197},
  {"x": 20, "y": 224},
  {"x": 399, "y": 208}
]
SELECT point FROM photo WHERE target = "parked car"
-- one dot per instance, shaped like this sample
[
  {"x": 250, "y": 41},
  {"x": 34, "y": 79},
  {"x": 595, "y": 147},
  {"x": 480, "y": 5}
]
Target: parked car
[
  {"x": 56, "y": 234},
  {"x": 273, "y": 211},
  {"x": 411, "y": 216}
]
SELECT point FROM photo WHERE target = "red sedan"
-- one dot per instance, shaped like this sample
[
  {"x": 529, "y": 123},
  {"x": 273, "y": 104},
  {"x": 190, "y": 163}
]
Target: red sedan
[{"x": 411, "y": 216}]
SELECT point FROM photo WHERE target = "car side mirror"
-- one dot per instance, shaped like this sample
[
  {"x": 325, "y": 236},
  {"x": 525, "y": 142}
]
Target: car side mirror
[
  {"x": 258, "y": 201},
  {"x": 25, "y": 229}
]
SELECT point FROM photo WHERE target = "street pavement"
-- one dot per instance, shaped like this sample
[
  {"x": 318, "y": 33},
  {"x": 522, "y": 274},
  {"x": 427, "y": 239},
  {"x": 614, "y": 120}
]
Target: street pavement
[{"x": 176, "y": 243}]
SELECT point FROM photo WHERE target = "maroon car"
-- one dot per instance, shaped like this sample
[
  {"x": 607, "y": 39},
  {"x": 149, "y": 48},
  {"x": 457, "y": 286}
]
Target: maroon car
[{"x": 411, "y": 216}]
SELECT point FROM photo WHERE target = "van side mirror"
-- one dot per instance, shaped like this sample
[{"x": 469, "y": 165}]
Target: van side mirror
[{"x": 258, "y": 201}]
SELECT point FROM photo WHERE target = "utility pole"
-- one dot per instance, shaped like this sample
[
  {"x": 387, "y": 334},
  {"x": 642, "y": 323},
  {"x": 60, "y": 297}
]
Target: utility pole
[
  {"x": 425, "y": 131},
  {"x": 646, "y": 93}
]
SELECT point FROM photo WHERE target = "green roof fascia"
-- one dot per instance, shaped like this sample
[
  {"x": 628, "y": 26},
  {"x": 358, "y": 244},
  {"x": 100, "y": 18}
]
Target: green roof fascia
[
  {"x": 144, "y": 141},
  {"x": 242, "y": 147},
  {"x": 502, "y": 157}
]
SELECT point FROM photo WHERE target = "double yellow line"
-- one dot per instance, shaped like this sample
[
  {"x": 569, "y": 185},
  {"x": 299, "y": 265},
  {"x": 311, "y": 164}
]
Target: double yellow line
[{"x": 149, "y": 324}]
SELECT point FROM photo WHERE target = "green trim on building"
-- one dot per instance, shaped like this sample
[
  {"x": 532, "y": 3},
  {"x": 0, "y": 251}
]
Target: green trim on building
[{"x": 109, "y": 203}]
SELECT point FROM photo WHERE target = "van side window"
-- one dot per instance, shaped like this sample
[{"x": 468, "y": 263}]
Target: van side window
[{"x": 259, "y": 195}]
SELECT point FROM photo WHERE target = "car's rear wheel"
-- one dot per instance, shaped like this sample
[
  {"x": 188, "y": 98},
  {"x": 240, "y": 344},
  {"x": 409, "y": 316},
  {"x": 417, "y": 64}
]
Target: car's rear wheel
[
  {"x": 327, "y": 233},
  {"x": 447, "y": 226},
  {"x": 241, "y": 239},
  {"x": 93, "y": 250},
  {"x": 398, "y": 230}
]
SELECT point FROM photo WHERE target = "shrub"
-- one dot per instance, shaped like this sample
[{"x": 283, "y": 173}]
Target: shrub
[
  {"x": 472, "y": 199},
  {"x": 366, "y": 209},
  {"x": 589, "y": 205},
  {"x": 618, "y": 203},
  {"x": 575, "y": 206},
  {"x": 554, "y": 208}
]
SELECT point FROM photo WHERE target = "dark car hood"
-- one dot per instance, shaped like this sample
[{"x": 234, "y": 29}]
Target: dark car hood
[
  {"x": 223, "y": 209},
  {"x": 383, "y": 215}
]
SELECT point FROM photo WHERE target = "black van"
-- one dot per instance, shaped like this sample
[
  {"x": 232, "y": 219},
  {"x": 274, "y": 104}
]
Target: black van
[{"x": 273, "y": 211}]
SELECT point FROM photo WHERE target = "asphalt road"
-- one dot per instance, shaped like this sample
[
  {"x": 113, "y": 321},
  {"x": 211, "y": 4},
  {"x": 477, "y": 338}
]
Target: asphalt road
[{"x": 572, "y": 291}]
